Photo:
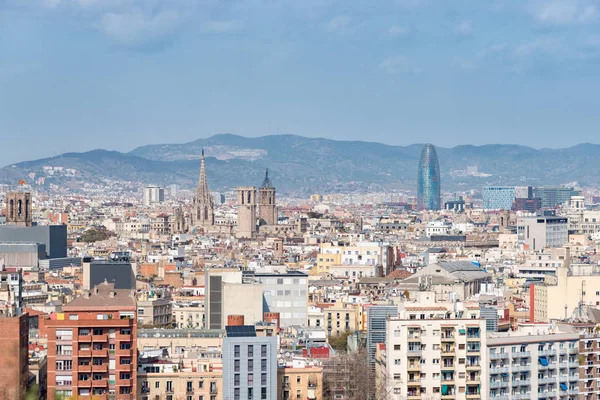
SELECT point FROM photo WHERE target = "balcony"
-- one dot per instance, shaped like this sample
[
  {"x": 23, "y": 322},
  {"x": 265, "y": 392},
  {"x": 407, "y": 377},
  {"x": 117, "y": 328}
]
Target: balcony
[
  {"x": 447, "y": 338},
  {"x": 573, "y": 350},
  {"x": 285, "y": 385},
  {"x": 414, "y": 382},
  {"x": 84, "y": 383},
  {"x": 84, "y": 338},
  {"x": 99, "y": 383},
  {"x": 498, "y": 370},
  {"x": 124, "y": 382},
  {"x": 473, "y": 350},
  {"x": 451, "y": 351},
  {"x": 448, "y": 379},
  {"x": 447, "y": 367},
  {"x": 414, "y": 367},
  {"x": 498, "y": 384},
  {"x": 84, "y": 368},
  {"x": 473, "y": 367},
  {"x": 573, "y": 378},
  {"x": 84, "y": 353},
  {"x": 414, "y": 352},
  {"x": 100, "y": 353},
  {"x": 473, "y": 380},
  {"x": 214, "y": 390},
  {"x": 123, "y": 352},
  {"x": 547, "y": 352},
  {"x": 123, "y": 338},
  {"x": 100, "y": 368},
  {"x": 473, "y": 396},
  {"x": 145, "y": 389},
  {"x": 521, "y": 354},
  {"x": 573, "y": 364},
  {"x": 100, "y": 338},
  {"x": 64, "y": 338},
  {"x": 498, "y": 356},
  {"x": 471, "y": 338}
]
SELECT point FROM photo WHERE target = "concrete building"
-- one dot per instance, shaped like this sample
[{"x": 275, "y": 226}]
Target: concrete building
[
  {"x": 14, "y": 332},
  {"x": 341, "y": 318},
  {"x": 154, "y": 309},
  {"x": 536, "y": 362},
  {"x": 121, "y": 273},
  {"x": 249, "y": 365},
  {"x": 286, "y": 294},
  {"x": 11, "y": 293},
  {"x": 537, "y": 233},
  {"x": 377, "y": 316},
  {"x": 246, "y": 208},
  {"x": 189, "y": 315},
  {"x": 299, "y": 381},
  {"x": 54, "y": 237},
  {"x": 436, "y": 350},
  {"x": 498, "y": 197},
  {"x": 92, "y": 345},
  {"x": 22, "y": 255},
  {"x": 153, "y": 195}
]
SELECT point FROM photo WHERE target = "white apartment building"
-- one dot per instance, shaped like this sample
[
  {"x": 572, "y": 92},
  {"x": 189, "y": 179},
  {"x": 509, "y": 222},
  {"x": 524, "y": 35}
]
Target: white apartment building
[
  {"x": 153, "y": 195},
  {"x": 536, "y": 233},
  {"x": 435, "y": 350},
  {"x": 537, "y": 362}
]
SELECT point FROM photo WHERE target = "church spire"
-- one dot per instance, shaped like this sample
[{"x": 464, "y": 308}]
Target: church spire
[
  {"x": 267, "y": 181},
  {"x": 203, "y": 200}
]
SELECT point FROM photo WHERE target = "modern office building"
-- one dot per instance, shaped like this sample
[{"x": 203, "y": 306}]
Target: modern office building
[
  {"x": 538, "y": 233},
  {"x": 286, "y": 294},
  {"x": 535, "y": 362},
  {"x": 551, "y": 197},
  {"x": 153, "y": 195},
  {"x": 249, "y": 365},
  {"x": 436, "y": 350},
  {"x": 376, "y": 327},
  {"x": 120, "y": 273},
  {"x": 428, "y": 180},
  {"x": 92, "y": 345},
  {"x": 54, "y": 237},
  {"x": 498, "y": 197}
]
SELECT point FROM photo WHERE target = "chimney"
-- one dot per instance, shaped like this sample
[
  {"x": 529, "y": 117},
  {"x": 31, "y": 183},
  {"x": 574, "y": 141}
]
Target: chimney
[{"x": 112, "y": 294}]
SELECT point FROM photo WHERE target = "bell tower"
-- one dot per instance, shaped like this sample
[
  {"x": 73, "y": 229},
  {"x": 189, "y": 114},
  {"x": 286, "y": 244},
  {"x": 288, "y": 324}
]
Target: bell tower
[
  {"x": 246, "y": 207},
  {"x": 18, "y": 209},
  {"x": 267, "y": 209}
]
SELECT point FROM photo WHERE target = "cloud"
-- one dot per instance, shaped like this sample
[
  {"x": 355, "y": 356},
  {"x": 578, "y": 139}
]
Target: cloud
[
  {"x": 565, "y": 12},
  {"x": 462, "y": 63},
  {"x": 225, "y": 26},
  {"x": 338, "y": 24},
  {"x": 398, "y": 31},
  {"x": 133, "y": 28},
  {"x": 463, "y": 29},
  {"x": 399, "y": 64}
]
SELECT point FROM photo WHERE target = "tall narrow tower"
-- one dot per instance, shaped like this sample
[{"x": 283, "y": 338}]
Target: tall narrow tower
[
  {"x": 428, "y": 180},
  {"x": 246, "y": 205},
  {"x": 18, "y": 206},
  {"x": 203, "y": 214},
  {"x": 267, "y": 209}
]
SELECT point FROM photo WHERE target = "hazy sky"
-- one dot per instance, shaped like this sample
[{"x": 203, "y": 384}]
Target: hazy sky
[{"x": 82, "y": 74}]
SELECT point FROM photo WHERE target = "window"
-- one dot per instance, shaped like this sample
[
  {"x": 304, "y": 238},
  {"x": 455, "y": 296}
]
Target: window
[
  {"x": 125, "y": 346},
  {"x": 125, "y": 361},
  {"x": 263, "y": 379},
  {"x": 263, "y": 364},
  {"x": 157, "y": 385},
  {"x": 263, "y": 393},
  {"x": 236, "y": 365},
  {"x": 98, "y": 361},
  {"x": 250, "y": 350},
  {"x": 263, "y": 350},
  {"x": 250, "y": 394},
  {"x": 250, "y": 365},
  {"x": 98, "y": 331},
  {"x": 236, "y": 351},
  {"x": 236, "y": 394},
  {"x": 236, "y": 380},
  {"x": 200, "y": 384},
  {"x": 127, "y": 375},
  {"x": 250, "y": 379}
]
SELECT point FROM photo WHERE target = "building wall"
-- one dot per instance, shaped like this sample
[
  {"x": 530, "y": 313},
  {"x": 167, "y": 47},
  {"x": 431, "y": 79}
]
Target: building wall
[
  {"x": 243, "y": 384},
  {"x": 13, "y": 348},
  {"x": 53, "y": 236},
  {"x": 246, "y": 206},
  {"x": 300, "y": 383},
  {"x": 242, "y": 299},
  {"x": 286, "y": 294},
  {"x": 498, "y": 197},
  {"x": 180, "y": 385}
]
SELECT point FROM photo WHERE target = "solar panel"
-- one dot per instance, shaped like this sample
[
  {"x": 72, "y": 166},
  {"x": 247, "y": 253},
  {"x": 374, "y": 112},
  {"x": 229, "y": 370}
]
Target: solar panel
[{"x": 241, "y": 331}]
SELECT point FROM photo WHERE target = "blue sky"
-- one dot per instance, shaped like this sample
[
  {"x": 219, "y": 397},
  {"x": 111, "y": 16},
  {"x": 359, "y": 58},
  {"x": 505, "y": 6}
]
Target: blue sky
[{"x": 82, "y": 74}]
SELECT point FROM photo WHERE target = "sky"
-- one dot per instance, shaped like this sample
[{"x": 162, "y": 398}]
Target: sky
[{"x": 77, "y": 75}]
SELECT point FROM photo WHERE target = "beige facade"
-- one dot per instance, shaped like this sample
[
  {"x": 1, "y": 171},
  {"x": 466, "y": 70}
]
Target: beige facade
[
  {"x": 246, "y": 205},
  {"x": 189, "y": 316},
  {"x": 242, "y": 299},
  {"x": 180, "y": 385},
  {"x": 154, "y": 310},
  {"x": 342, "y": 318},
  {"x": 300, "y": 383}
]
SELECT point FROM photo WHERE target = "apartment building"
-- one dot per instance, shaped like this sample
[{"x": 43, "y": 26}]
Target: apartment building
[
  {"x": 92, "y": 345},
  {"x": 154, "y": 309},
  {"x": 589, "y": 371},
  {"x": 190, "y": 315},
  {"x": 286, "y": 294},
  {"x": 249, "y": 365},
  {"x": 299, "y": 381},
  {"x": 535, "y": 362},
  {"x": 343, "y": 317},
  {"x": 14, "y": 331},
  {"x": 435, "y": 350}
]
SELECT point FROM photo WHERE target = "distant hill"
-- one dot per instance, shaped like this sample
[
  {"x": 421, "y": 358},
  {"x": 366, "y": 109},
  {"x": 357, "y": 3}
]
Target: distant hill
[{"x": 303, "y": 164}]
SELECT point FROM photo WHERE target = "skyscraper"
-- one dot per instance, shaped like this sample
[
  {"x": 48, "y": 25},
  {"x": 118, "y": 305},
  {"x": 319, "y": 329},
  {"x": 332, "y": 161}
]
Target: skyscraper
[{"x": 428, "y": 180}]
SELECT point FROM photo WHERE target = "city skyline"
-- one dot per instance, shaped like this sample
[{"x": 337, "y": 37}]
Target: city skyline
[{"x": 131, "y": 72}]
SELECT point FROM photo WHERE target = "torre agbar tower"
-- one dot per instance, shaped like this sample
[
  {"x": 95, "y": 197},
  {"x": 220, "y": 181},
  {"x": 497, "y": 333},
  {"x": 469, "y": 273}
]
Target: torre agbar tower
[{"x": 428, "y": 180}]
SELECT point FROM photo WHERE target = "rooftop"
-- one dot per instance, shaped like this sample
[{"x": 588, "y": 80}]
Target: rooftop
[{"x": 104, "y": 296}]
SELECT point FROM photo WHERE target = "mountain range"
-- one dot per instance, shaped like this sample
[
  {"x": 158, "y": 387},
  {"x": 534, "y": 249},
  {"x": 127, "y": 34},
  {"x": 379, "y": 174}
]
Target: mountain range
[{"x": 303, "y": 165}]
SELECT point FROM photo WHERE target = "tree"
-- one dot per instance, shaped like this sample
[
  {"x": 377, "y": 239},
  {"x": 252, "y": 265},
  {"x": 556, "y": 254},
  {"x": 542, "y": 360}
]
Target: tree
[
  {"x": 349, "y": 375},
  {"x": 339, "y": 342},
  {"x": 95, "y": 234}
]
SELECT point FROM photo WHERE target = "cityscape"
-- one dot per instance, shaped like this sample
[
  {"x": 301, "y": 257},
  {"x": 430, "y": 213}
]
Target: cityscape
[{"x": 299, "y": 200}]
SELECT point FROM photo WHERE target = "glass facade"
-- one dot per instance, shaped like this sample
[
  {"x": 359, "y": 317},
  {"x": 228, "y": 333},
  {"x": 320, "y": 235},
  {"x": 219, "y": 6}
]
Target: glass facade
[{"x": 428, "y": 180}]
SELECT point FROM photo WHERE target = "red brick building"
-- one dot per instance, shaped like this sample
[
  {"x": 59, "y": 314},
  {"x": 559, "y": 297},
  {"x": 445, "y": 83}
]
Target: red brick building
[
  {"x": 14, "y": 372},
  {"x": 92, "y": 345}
]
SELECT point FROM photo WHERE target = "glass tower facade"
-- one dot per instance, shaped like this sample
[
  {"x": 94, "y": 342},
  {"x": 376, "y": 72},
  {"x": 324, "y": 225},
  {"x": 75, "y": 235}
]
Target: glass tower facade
[{"x": 428, "y": 180}]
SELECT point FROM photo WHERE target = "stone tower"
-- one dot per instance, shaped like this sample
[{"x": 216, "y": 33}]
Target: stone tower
[
  {"x": 203, "y": 212},
  {"x": 18, "y": 208},
  {"x": 246, "y": 205},
  {"x": 267, "y": 209}
]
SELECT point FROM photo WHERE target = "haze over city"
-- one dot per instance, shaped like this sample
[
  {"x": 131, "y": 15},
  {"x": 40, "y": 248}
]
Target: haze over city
[{"x": 77, "y": 75}]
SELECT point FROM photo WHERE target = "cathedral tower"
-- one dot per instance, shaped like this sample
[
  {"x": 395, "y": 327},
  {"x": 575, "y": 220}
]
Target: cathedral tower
[
  {"x": 267, "y": 209},
  {"x": 203, "y": 213},
  {"x": 246, "y": 205}
]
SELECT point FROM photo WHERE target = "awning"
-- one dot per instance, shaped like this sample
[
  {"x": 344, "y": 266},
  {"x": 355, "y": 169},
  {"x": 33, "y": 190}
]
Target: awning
[
  {"x": 563, "y": 386},
  {"x": 444, "y": 390},
  {"x": 504, "y": 374},
  {"x": 543, "y": 361}
]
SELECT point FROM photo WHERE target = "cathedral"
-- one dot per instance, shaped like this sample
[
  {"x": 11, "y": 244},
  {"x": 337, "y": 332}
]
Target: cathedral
[{"x": 257, "y": 211}]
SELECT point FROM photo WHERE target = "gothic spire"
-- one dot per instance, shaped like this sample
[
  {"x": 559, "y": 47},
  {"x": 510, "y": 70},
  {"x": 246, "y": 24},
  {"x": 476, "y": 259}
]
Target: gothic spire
[
  {"x": 202, "y": 191},
  {"x": 267, "y": 181}
]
